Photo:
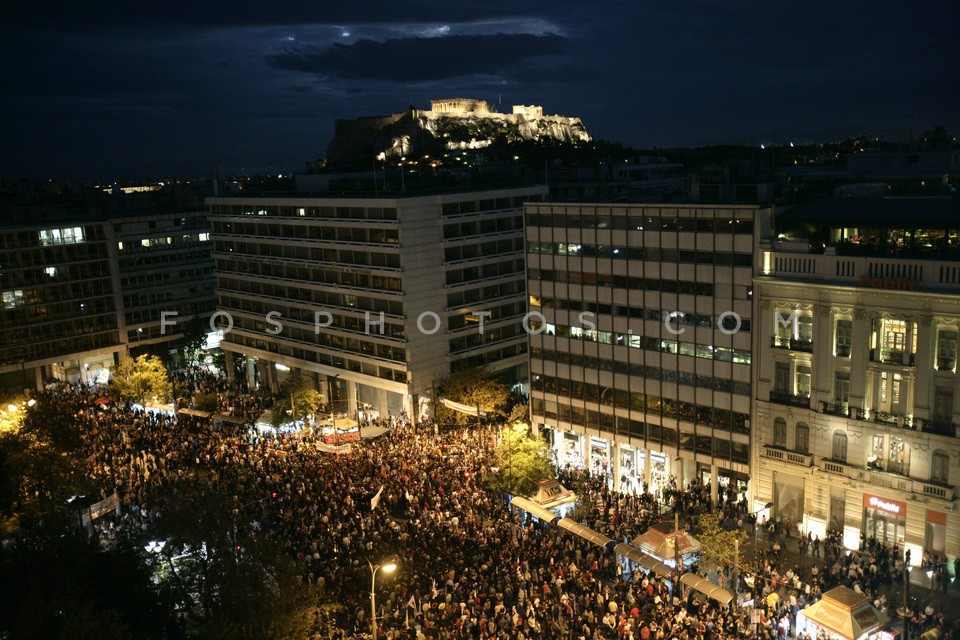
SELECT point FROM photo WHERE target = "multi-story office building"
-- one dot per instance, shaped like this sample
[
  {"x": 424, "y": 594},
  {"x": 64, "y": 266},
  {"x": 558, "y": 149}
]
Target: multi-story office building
[
  {"x": 855, "y": 371},
  {"x": 374, "y": 297},
  {"x": 640, "y": 350},
  {"x": 60, "y": 311},
  {"x": 85, "y": 277}
]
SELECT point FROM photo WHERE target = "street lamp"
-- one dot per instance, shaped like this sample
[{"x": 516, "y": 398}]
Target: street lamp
[
  {"x": 904, "y": 609},
  {"x": 389, "y": 567},
  {"x": 756, "y": 528}
]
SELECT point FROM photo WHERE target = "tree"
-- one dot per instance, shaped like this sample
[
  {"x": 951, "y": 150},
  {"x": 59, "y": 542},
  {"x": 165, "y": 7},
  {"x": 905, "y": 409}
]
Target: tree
[
  {"x": 206, "y": 402},
  {"x": 41, "y": 460},
  {"x": 298, "y": 399},
  {"x": 141, "y": 380},
  {"x": 523, "y": 460},
  {"x": 718, "y": 544},
  {"x": 473, "y": 388}
]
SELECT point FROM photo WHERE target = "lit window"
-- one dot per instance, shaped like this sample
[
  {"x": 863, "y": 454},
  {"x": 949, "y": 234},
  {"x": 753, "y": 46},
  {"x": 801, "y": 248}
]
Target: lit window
[
  {"x": 205, "y": 237},
  {"x": 12, "y": 299},
  {"x": 51, "y": 271}
]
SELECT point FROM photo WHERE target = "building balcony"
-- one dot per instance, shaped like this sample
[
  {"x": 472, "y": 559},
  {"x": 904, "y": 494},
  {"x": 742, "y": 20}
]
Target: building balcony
[
  {"x": 783, "y": 342},
  {"x": 843, "y": 351},
  {"x": 946, "y": 364},
  {"x": 782, "y": 397},
  {"x": 841, "y": 409},
  {"x": 918, "y": 489},
  {"x": 784, "y": 455},
  {"x": 891, "y": 356},
  {"x": 937, "y": 426}
]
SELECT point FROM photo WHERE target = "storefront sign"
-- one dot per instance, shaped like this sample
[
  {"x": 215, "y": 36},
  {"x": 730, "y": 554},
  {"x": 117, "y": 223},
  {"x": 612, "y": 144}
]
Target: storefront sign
[
  {"x": 883, "y": 504},
  {"x": 888, "y": 283}
]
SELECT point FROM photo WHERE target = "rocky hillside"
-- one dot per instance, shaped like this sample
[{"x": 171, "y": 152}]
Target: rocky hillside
[{"x": 417, "y": 133}]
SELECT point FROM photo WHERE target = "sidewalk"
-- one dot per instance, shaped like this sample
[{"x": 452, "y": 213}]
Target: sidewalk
[{"x": 920, "y": 584}]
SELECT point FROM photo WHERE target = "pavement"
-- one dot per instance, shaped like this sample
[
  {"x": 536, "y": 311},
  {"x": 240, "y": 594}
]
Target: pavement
[{"x": 920, "y": 591}]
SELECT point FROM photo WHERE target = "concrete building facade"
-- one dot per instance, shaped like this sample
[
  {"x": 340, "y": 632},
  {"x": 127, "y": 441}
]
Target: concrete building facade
[
  {"x": 640, "y": 348},
  {"x": 374, "y": 298}
]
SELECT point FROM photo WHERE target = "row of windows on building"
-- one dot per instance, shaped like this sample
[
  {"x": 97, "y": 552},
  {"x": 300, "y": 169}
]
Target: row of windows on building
[
  {"x": 487, "y": 271},
  {"x": 489, "y": 204},
  {"x": 316, "y": 276},
  {"x": 53, "y": 294},
  {"x": 888, "y": 389},
  {"x": 68, "y": 340},
  {"x": 487, "y": 248},
  {"x": 486, "y": 294},
  {"x": 41, "y": 276},
  {"x": 326, "y": 212},
  {"x": 485, "y": 227},
  {"x": 490, "y": 336},
  {"x": 162, "y": 242},
  {"x": 307, "y": 354},
  {"x": 889, "y": 453},
  {"x": 715, "y": 446},
  {"x": 16, "y": 259},
  {"x": 648, "y": 372},
  {"x": 638, "y": 341},
  {"x": 168, "y": 277},
  {"x": 323, "y": 299},
  {"x": 378, "y": 234},
  {"x": 320, "y": 318},
  {"x": 491, "y": 314},
  {"x": 728, "y": 322},
  {"x": 254, "y": 253},
  {"x": 651, "y": 254},
  {"x": 892, "y": 340},
  {"x": 585, "y": 218},
  {"x": 669, "y": 408},
  {"x": 690, "y": 287}
]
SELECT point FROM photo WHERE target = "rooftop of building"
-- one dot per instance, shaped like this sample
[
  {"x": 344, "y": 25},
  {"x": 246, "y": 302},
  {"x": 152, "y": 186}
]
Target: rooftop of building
[{"x": 904, "y": 212}]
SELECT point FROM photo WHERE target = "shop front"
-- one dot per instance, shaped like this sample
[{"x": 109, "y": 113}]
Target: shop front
[
  {"x": 632, "y": 462},
  {"x": 600, "y": 458},
  {"x": 884, "y": 519},
  {"x": 659, "y": 472},
  {"x": 569, "y": 448}
]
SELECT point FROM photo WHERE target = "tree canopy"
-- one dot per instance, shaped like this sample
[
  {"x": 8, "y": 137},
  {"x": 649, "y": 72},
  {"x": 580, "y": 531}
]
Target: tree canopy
[
  {"x": 141, "y": 380},
  {"x": 298, "y": 399},
  {"x": 717, "y": 543},
  {"x": 473, "y": 388},
  {"x": 523, "y": 460}
]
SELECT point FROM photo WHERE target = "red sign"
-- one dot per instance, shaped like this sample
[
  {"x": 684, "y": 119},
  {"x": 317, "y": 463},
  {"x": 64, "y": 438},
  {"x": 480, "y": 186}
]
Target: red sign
[
  {"x": 895, "y": 507},
  {"x": 888, "y": 283}
]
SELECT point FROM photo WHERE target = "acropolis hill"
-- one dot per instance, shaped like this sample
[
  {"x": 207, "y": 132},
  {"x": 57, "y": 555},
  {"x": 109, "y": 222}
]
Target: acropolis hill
[{"x": 450, "y": 124}]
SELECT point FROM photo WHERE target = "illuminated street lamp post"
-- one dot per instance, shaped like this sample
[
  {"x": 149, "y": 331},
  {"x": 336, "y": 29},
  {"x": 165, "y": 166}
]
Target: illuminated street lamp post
[
  {"x": 904, "y": 609},
  {"x": 389, "y": 567}
]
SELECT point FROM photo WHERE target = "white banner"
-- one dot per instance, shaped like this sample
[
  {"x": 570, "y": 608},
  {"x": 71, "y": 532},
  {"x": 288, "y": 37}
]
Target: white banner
[
  {"x": 462, "y": 408},
  {"x": 105, "y": 506},
  {"x": 376, "y": 499}
]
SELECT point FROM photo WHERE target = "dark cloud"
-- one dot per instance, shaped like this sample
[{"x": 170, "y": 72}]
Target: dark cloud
[{"x": 420, "y": 59}]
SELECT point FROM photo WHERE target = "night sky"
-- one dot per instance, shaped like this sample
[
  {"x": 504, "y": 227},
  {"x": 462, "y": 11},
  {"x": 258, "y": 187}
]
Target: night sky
[{"x": 102, "y": 90}]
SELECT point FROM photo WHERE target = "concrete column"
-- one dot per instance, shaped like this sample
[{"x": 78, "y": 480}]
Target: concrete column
[
  {"x": 383, "y": 403},
  {"x": 351, "y": 397},
  {"x": 251, "y": 373},
  {"x": 714, "y": 477},
  {"x": 228, "y": 364},
  {"x": 615, "y": 447},
  {"x": 924, "y": 364},
  {"x": 646, "y": 468},
  {"x": 860, "y": 355},
  {"x": 822, "y": 350},
  {"x": 38, "y": 378}
]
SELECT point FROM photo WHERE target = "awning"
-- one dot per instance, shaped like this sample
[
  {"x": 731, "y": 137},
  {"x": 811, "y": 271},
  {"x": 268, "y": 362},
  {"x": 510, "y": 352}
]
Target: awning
[
  {"x": 535, "y": 509},
  {"x": 640, "y": 557},
  {"x": 223, "y": 417},
  {"x": 194, "y": 412},
  {"x": 586, "y": 533},
  {"x": 707, "y": 588}
]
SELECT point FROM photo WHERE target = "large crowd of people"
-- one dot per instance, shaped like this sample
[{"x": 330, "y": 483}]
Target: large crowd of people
[{"x": 469, "y": 566}]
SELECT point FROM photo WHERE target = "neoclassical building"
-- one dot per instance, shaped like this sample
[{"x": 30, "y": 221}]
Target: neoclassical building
[{"x": 855, "y": 371}]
